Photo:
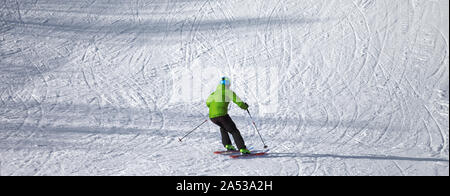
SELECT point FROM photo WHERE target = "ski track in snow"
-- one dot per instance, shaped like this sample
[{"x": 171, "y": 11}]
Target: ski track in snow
[{"x": 86, "y": 86}]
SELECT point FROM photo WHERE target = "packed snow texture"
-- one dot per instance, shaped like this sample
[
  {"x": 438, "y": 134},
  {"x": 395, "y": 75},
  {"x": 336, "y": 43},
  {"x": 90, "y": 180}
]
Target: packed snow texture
[{"x": 336, "y": 87}]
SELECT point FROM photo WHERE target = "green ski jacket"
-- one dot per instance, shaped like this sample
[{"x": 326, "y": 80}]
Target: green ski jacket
[{"x": 218, "y": 101}]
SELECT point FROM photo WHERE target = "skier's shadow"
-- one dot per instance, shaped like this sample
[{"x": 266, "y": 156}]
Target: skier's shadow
[{"x": 369, "y": 157}]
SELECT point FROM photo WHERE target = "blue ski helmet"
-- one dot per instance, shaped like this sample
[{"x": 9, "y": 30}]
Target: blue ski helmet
[{"x": 225, "y": 81}]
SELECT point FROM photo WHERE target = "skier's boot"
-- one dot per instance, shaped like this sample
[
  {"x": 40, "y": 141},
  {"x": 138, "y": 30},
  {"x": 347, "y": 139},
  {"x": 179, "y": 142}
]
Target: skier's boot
[
  {"x": 230, "y": 147},
  {"x": 244, "y": 151}
]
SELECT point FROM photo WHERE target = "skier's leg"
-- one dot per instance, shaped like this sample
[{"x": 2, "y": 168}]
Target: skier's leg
[
  {"x": 229, "y": 126},
  {"x": 225, "y": 137},
  {"x": 238, "y": 139}
]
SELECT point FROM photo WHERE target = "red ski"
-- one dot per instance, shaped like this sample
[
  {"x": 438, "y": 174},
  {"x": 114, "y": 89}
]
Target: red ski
[
  {"x": 227, "y": 152},
  {"x": 247, "y": 155}
]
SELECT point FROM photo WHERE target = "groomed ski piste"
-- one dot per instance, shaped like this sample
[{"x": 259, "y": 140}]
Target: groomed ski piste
[{"x": 336, "y": 87}]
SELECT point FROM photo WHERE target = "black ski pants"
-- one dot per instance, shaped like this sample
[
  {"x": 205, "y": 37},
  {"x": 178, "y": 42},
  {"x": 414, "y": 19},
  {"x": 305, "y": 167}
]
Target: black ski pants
[{"x": 227, "y": 125}]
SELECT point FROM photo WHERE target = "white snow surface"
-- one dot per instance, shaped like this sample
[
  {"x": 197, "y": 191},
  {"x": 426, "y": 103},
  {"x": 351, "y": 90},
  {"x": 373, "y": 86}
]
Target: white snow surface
[{"x": 336, "y": 87}]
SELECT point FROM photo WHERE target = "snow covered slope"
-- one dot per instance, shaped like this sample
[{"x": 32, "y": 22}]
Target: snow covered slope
[{"x": 337, "y": 87}]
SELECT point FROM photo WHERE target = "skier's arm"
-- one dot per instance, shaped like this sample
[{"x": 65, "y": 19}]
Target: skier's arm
[
  {"x": 209, "y": 100},
  {"x": 239, "y": 102}
]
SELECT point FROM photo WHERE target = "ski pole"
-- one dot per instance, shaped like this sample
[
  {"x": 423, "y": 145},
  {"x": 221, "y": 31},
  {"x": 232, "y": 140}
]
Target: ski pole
[
  {"x": 180, "y": 139},
  {"x": 254, "y": 126}
]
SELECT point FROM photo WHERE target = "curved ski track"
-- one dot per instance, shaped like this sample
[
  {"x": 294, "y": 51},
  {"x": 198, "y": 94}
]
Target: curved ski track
[{"x": 88, "y": 86}]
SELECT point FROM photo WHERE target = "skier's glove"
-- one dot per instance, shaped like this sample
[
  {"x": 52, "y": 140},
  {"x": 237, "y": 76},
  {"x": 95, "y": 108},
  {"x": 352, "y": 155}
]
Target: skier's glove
[{"x": 245, "y": 106}]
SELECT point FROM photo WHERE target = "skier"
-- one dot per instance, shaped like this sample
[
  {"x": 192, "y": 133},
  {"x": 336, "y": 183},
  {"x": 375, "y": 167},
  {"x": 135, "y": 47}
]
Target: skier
[{"x": 217, "y": 103}]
